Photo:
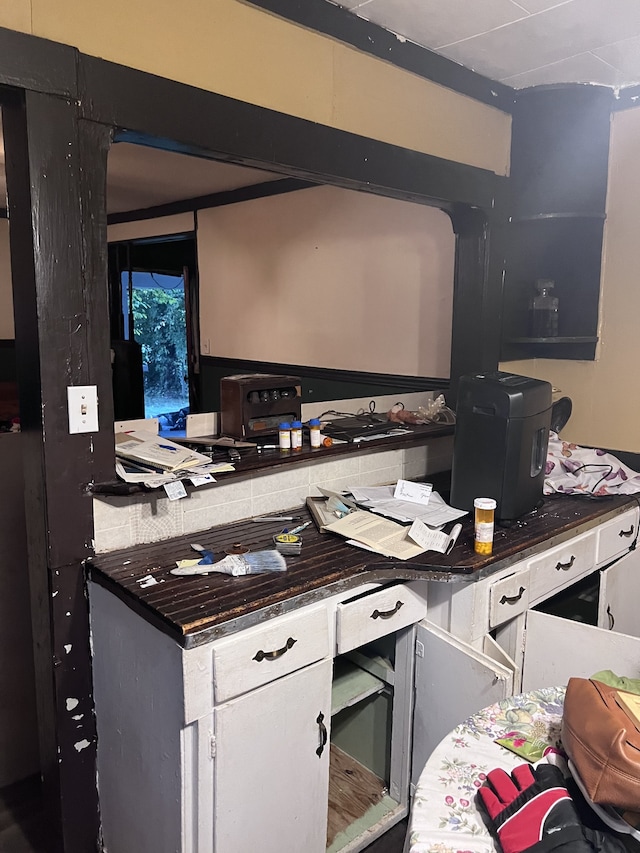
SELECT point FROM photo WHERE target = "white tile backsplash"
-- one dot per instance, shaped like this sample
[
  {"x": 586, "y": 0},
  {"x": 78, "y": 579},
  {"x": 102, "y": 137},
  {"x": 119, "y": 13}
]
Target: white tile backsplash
[{"x": 126, "y": 522}]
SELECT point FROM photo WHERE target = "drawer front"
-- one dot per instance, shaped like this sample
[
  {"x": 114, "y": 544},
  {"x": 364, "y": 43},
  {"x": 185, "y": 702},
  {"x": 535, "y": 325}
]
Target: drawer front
[
  {"x": 258, "y": 655},
  {"x": 376, "y": 614},
  {"x": 562, "y": 565},
  {"x": 615, "y": 537},
  {"x": 509, "y": 597}
]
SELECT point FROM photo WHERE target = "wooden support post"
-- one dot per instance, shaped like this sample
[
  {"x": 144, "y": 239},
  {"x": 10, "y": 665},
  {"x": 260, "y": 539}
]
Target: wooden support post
[{"x": 56, "y": 184}]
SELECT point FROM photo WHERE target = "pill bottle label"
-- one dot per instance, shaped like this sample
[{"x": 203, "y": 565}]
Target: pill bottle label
[{"x": 484, "y": 532}]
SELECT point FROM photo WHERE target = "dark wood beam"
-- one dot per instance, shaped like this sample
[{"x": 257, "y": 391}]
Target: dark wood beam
[
  {"x": 37, "y": 64},
  {"x": 165, "y": 114},
  {"x": 56, "y": 180},
  {"x": 219, "y": 199}
]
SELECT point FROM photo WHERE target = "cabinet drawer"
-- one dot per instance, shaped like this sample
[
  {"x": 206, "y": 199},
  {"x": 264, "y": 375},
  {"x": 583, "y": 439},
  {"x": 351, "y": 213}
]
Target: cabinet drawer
[
  {"x": 261, "y": 654},
  {"x": 615, "y": 537},
  {"x": 560, "y": 566},
  {"x": 509, "y": 597},
  {"x": 376, "y": 614}
]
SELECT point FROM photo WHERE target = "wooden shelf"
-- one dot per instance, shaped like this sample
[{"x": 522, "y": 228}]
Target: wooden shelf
[
  {"x": 576, "y": 339},
  {"x": 352, "y": 684}
]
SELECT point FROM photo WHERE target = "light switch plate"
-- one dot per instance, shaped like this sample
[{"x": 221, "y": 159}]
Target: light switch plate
[{"x": 83, "y": 408}]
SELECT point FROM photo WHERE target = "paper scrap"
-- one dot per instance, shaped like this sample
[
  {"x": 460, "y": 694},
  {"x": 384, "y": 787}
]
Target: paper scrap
[
  {"x": 430, "y": 540},
  {"x": 202, "y": 479},
  {"x": 175, "y": 490},
  {"x": 418, "y": 493}
]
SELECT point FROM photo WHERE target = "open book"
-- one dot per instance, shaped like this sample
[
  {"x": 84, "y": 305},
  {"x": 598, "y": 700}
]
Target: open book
[{"x": 390, "y": 538}]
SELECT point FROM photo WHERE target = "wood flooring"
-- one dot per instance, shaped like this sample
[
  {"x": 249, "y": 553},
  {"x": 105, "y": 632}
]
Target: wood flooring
[{"x": 23, "y": 826}]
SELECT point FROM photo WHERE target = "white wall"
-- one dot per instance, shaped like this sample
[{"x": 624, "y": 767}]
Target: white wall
[{"x": 328, "y": 277}]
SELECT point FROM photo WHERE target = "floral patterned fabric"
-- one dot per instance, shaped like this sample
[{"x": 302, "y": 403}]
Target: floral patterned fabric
[
  {"x": 575, "y": 470},
  {"x": 444, "y": 816}
]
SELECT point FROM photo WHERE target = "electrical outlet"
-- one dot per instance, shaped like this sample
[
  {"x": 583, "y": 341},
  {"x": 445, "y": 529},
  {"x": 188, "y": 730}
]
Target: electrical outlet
[
  {"x": 82, "y": 401},
  {"x": 205, "y": 346}
]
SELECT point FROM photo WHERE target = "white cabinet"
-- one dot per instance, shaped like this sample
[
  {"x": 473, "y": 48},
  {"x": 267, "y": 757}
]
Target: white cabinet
[
  {"x": 620, "y": 595},
  {"x": 460, "y": 668},
  {"x": 452, "y": 681},
  {"x": 272, "y": 765},
  {"x": 266, "y": 739},
  {"x": 557, "y": 649}
]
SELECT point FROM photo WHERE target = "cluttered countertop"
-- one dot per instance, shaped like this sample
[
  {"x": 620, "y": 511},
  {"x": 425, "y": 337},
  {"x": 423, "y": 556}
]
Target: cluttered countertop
[{"x": 197, "y": 609}]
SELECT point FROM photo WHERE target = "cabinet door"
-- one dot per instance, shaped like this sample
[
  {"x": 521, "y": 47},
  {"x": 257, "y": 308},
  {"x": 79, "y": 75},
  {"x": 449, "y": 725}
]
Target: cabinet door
[
  {"x": 557, "y": 649},
  {"x": 271, "y": 778},
  {"x": 452, "y": 681},
  {"x": 619, "y": 596}
]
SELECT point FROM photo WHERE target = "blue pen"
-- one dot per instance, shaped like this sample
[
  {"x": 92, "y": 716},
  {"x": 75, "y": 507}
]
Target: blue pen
[
  {"x": 167, "y": 447},
  {"x": 300, "y": 527}
]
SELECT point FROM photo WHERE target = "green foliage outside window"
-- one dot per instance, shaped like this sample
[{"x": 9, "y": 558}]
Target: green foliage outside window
[{"x": 160, "y": 323}]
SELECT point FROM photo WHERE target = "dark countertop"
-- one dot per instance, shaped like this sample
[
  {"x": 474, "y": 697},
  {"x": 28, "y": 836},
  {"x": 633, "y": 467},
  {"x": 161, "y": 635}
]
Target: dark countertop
[
  {"x": 252, "y": 461},
  {"x": 194, "y": 610}
]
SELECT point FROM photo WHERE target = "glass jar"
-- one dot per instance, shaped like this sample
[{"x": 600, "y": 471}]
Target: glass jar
[
  {"x": 484, "y": 514},
  {"x": 543, "y": 311}
]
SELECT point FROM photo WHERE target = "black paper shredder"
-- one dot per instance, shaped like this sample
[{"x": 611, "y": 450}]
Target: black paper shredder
[{"x": 501, "y": 440}]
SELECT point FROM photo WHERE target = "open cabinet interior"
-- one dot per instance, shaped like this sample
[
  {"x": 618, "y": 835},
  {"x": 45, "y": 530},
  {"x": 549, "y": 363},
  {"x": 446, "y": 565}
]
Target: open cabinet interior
[{"x": 367, "y": 783}]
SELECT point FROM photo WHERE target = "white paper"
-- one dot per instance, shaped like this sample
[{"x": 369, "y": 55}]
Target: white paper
[
  {"x": 379, "y": 499},
  {"x": 175, "y": 490},
  {"x": 381, "y": 535},
  {"x": 430, "y": 540},
  {"x": 417, "y": 493},
  {"x": 201, "y": 479}
]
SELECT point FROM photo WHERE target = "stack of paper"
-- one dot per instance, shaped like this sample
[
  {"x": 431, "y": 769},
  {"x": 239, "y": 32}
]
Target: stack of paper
[
  {"x": 144, "y": 457},
  {"x": 407, "y": 501}
]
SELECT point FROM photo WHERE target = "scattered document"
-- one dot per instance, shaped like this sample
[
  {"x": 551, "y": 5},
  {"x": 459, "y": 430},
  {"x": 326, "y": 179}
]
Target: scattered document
[
  {"x": 156, "y": 452},
  {"x": 417, "y": 493},
  {"x": 434, "y": 540},
  {"x": 381, "y": 500},
  {"x": 379, "y": 534},
  {"x": 154, "y": 461}
]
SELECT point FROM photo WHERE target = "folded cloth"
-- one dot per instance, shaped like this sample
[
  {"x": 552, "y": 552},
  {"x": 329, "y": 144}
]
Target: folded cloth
[{"x": 575, "y": 470}]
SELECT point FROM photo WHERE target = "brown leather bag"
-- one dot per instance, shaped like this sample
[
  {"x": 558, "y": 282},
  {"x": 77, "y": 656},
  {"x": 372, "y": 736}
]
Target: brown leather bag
[{"x": 603, "y": 742}]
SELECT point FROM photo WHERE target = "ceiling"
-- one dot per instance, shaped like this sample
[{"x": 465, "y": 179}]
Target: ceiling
[
  {"x": 523, "y": 43},
  {"x": 140, "y": 177}
]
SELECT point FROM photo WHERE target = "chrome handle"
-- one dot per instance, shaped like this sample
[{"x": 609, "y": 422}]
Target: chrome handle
[
  {"x": 511, "y": 599},
  {"x": 566, "y": 566},
  {"x": 387, "y": 614},
  {"x": 627, "y": 533},
  {"x": 612, "y": 621},
  {"x": 260, "y": 655},
  {"x": 323, "y": 734}
]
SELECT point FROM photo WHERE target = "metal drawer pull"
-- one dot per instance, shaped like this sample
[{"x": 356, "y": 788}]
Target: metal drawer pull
[
  {"x": 323, "y": 734},
  {"x": 511, "y": 599},
  {"x": 260, "y": 655},
  {"x": 387, "y": 614},
  {"x": 612, "y": 621},
  {"x": 628, "y": 532},
  {"x": 566, "y": 566}
]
